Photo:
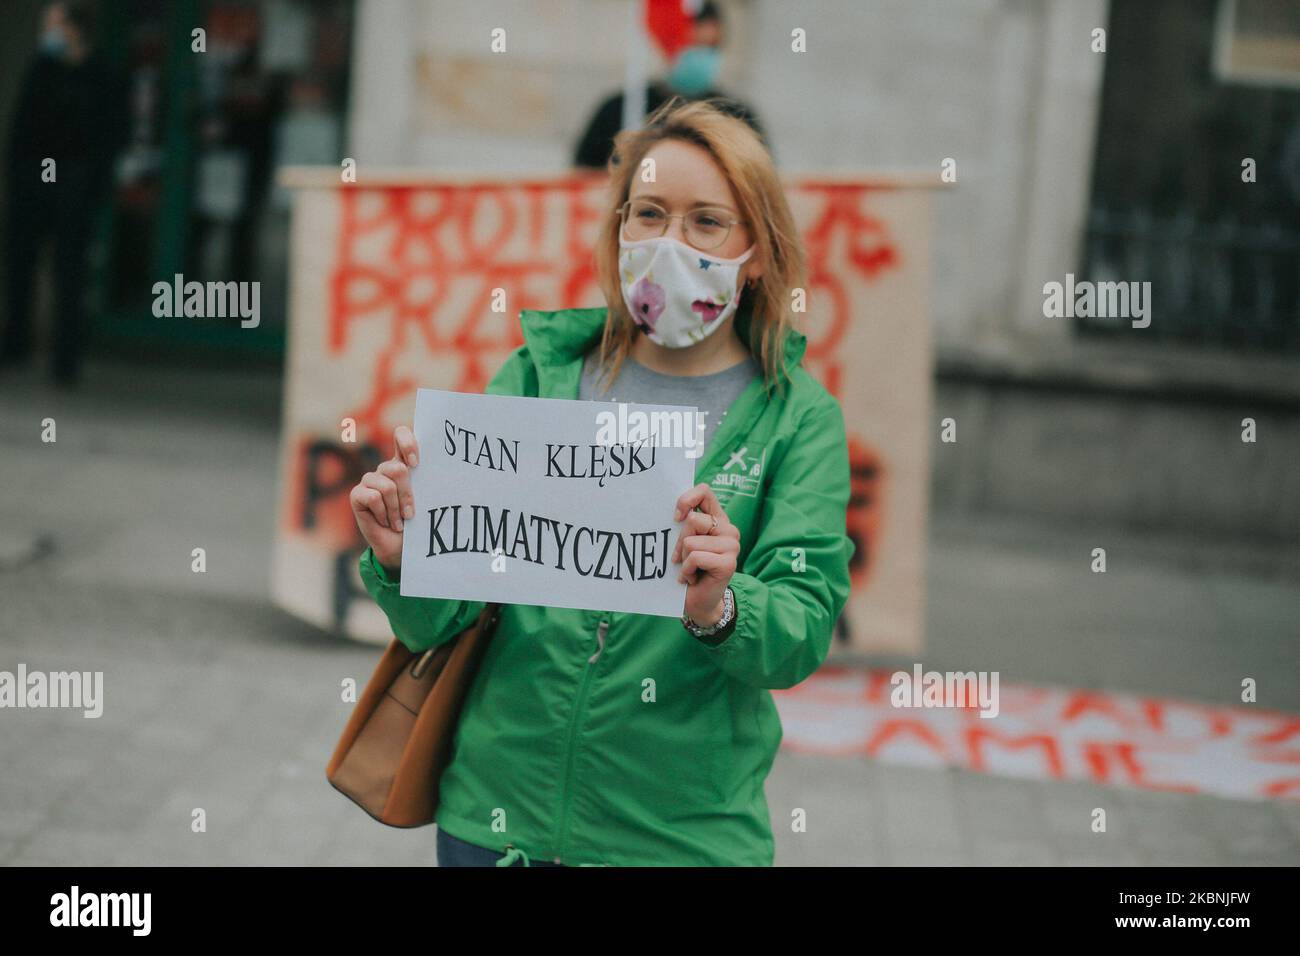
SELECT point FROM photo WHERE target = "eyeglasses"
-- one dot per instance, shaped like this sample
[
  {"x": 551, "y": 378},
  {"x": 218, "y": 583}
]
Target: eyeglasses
[{"x": 705, "y": 228}]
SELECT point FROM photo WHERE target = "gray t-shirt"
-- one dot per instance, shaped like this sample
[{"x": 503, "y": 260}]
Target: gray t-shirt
[{"x": 712, "y": 394}]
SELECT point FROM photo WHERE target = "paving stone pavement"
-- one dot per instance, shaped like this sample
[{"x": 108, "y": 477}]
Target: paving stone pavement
[{"x": 214, "y": 699}]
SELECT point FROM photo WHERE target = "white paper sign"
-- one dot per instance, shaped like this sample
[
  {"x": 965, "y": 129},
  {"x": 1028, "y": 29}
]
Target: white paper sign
[{"x": 548, "y": 501}]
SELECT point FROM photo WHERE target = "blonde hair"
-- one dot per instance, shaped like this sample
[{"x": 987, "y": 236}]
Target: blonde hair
[{"x": 748, "y": 167}]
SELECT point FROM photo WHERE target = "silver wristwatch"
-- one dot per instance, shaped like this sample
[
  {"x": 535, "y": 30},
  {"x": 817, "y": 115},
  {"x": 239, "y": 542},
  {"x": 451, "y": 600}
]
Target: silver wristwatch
[{"x": 728, "y": 614}]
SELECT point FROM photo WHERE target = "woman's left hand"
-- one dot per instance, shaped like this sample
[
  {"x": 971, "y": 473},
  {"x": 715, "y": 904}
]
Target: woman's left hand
[{"x": 707, "y": 549}]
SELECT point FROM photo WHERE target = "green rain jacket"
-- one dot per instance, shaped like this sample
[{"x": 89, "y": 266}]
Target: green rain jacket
[{"x": 592, "y": 737}]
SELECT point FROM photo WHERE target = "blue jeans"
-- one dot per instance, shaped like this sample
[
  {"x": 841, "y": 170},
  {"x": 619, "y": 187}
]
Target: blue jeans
[{"x": 453, "y": 851}]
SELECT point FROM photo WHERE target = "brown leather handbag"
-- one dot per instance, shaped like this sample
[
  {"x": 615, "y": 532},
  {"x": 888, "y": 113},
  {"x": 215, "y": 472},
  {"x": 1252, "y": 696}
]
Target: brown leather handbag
[{"x": 398, "y": 740}]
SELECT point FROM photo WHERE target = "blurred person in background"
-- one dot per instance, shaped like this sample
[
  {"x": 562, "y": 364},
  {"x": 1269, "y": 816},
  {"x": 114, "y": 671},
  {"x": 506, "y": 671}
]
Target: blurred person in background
[
  {"x": 692, "y": 76},
  {"x": 70, "y": 110}
]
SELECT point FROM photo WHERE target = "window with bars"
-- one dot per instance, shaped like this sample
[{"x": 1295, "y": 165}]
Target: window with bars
[{"x": 1196, "y": 180}]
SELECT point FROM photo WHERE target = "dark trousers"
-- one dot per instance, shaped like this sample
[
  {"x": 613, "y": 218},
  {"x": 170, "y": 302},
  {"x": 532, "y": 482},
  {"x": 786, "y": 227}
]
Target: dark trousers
[
  {"x": 453, "y": 851},
  {"x": 63, "y": 212}
]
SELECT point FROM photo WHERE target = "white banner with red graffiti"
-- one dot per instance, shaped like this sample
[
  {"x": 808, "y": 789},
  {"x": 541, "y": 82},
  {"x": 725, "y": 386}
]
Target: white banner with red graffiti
[
  {"x": 401, "y": 282},
  {"x": 1052, "y": 733}
]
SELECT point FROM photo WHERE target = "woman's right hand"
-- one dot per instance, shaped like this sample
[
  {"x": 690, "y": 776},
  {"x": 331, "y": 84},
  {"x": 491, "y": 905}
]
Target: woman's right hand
[{"x": 382, "y": 499}]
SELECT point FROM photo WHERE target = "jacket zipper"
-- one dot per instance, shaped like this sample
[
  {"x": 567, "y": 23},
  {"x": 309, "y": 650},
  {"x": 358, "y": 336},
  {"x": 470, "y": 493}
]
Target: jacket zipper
[
  {"x": 600, "y": 641},
  {"x": 563, "y": 837}
]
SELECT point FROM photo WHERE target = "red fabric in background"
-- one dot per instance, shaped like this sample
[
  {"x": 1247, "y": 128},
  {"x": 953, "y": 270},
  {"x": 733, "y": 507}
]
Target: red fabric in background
[{"x": 669, "y": 24}]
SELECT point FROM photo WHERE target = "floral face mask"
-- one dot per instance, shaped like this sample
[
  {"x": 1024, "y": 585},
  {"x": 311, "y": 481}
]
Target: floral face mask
[{"x": 677, "y": 294}]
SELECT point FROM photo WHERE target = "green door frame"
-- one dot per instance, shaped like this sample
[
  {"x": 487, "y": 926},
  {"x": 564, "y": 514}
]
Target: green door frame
[{"x": 135, "y": 324}]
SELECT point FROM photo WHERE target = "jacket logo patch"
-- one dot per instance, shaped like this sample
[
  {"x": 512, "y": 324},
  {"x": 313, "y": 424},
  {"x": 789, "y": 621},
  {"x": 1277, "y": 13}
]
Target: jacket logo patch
[{"x": 742, "y": 472}]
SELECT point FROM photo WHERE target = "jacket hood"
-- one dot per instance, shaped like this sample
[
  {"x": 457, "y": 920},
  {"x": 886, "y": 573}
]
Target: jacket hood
[{"x": 564, "y": 335}]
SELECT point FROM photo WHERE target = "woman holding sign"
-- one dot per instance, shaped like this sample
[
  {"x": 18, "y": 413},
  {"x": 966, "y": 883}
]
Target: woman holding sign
[{"x": 594, "y": 737}]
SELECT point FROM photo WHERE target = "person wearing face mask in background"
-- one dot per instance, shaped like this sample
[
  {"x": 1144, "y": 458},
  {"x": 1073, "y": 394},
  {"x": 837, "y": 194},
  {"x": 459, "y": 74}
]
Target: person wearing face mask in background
[
  {"x": 692, "y": 76},
  {"x": 565, "y": 754},
  {"x": 72, "y": 110}
]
